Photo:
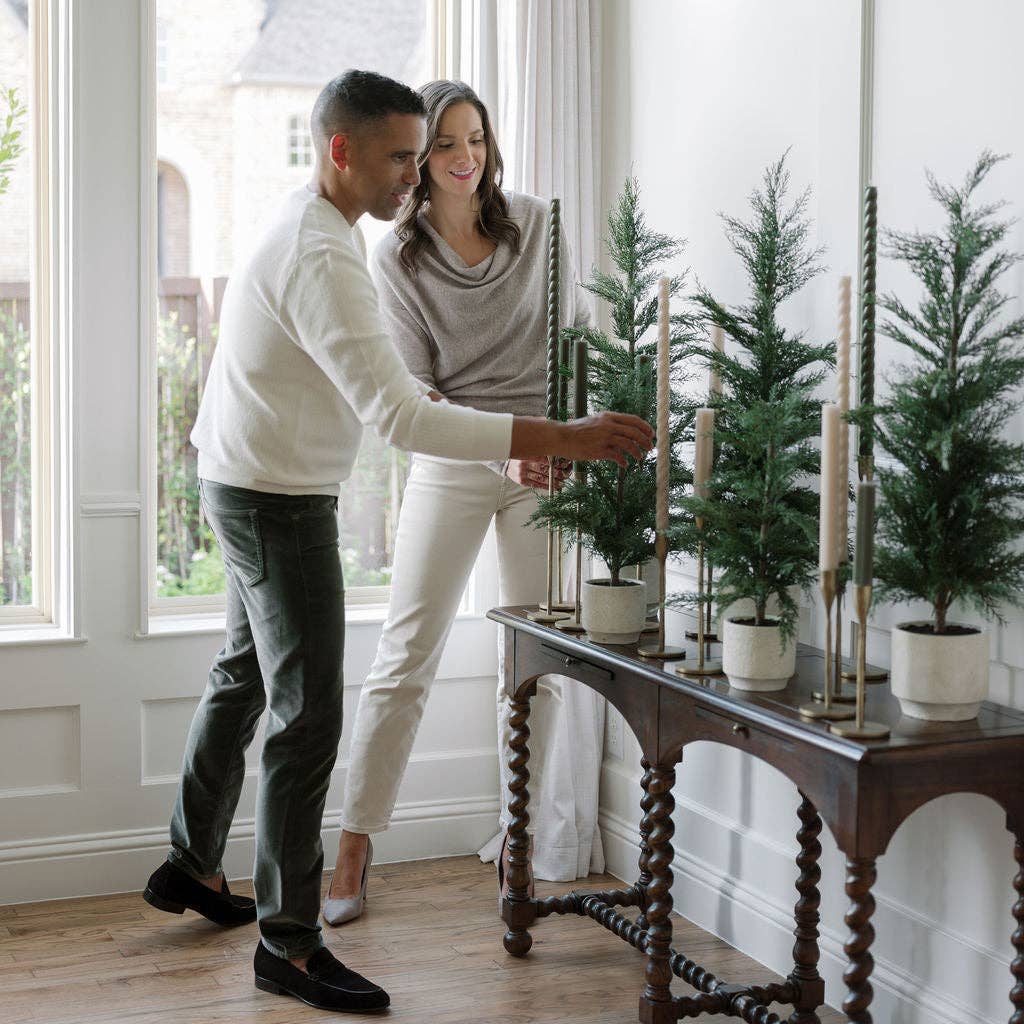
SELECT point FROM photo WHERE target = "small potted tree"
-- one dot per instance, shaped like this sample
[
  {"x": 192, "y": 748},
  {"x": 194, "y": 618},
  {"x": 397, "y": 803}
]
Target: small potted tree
[
  {"x": 614, "y": 507},
  {"x": 952, "y": 508},
  {"x": 760, "y": 518}
]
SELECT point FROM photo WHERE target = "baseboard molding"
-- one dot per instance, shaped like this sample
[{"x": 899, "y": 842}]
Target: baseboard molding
[
  {"x": 102, "y": 863},
  {"x": 762, "y": 927}
]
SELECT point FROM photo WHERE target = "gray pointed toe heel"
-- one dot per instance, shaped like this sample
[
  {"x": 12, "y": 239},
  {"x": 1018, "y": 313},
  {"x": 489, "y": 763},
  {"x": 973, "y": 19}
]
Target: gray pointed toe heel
[{"x": 342, "y": 910}]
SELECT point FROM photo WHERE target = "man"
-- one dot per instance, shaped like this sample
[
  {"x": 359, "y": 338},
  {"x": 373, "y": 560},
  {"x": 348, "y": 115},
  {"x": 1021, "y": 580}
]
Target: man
[{"x": 301, "y": 365}]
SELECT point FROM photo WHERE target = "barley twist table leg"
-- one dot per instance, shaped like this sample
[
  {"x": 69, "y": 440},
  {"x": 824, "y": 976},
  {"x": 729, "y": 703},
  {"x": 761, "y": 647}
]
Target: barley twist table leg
[
  {"x": 806, "y": 952},
  {"x": 860, "y": 877},
  {"x": 656, "y": 1001},
  {"x": 1017, "y": 967},
  {"x": 645, "y": 851},
  {"x": 517, "y": 909}
]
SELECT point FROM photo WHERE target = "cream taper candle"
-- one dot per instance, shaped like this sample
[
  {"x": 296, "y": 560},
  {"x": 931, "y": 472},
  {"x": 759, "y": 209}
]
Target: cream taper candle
[
  {"x": 829, "y": 484},
  {"x": 661, "y": 504},
  {"x": 714, "y": 379},
  {"x": 704, "y": 433}
]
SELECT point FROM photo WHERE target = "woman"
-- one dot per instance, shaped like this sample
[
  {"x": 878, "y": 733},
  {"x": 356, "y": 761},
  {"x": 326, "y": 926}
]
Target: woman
[{"x": 462, "y": 289}]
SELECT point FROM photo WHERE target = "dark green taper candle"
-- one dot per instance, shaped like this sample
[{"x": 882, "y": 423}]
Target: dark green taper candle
[
  {"x": 864, "y": 553},
  {"x": 580, "y": 356},
  {"x": 553, "y": 282},
  {"x": 563, "y": 378},
  {"x": 579, "y": 377},
  {"x": 866, "y": 376}
]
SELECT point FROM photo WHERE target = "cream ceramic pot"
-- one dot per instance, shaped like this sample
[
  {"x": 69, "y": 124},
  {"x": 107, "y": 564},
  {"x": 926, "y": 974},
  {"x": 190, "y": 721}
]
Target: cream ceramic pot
[
  {"x": 940, "y": 678},
  {"x": 754, "y": 658},
  {"x": 613, "y": 615}
]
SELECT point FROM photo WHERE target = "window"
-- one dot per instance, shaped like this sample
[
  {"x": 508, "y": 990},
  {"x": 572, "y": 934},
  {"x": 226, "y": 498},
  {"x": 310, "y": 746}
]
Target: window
[
  {"x": 25, "y": 583},
  {"x": 300, "y": 143},
  {"x": 238, "y": 78},
  {"x": 161, "y": 53}
]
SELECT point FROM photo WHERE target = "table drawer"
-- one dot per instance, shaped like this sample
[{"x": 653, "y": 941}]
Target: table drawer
[{"x": 720, "y": 727}]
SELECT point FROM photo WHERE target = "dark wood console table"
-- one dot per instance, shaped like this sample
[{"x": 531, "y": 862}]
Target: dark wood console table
[{"x": 862, "y": 790}]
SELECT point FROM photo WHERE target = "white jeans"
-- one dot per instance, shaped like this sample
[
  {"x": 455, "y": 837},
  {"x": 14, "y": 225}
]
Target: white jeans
[{"x": 446, "y": 511}]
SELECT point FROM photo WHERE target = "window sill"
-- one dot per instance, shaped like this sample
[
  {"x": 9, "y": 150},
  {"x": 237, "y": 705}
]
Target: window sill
[
  {"x": 213, "y": 623},
  {"x": 43, "y": 634}
]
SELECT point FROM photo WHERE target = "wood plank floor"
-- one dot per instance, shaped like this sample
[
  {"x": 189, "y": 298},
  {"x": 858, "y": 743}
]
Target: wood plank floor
[{"x": 430, "y": 936}]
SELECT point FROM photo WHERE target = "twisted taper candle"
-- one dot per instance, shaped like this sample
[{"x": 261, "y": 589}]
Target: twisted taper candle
[
  {"x": 554, "y": 282},
  {"x": 843, "y": 401},
  {"x": 866, "y": 382}
]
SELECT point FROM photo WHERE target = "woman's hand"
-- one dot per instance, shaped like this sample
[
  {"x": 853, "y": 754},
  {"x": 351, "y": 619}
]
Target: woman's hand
[
  {"x": 608, "y": 435},
  {"x": 534, "y": 472}
]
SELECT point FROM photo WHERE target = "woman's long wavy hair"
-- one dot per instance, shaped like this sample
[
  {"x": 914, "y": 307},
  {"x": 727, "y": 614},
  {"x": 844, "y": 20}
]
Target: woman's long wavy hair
[{"x": 494, "y": 220}]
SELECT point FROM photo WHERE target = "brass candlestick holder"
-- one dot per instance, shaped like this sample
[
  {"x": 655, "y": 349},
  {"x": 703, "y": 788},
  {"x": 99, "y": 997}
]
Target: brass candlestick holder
[
  {"x": 710, "y": 635},
  {"x": 860, "y": 729},
  {"x": 544, "y": 614},
  {"x": 872, "y": 676},
  {"x": 661, "y": 649},
  {"x": 560, "y": 605},
  {"x": 865, "y": 471},
  {"x": 702, "y": 666},
  {"x": 838, "y": 696},
  {"x": 575, "y": 623},
  {"x": 825, "y": 708}
]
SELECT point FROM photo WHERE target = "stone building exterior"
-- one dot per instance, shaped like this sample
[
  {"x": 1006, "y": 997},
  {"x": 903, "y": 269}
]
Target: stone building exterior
[{"x": 236, "y": 80}]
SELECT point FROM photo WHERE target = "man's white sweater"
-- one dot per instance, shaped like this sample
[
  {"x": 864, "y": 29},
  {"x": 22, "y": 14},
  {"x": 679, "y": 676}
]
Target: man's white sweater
[{"x": 303, "y": 363}]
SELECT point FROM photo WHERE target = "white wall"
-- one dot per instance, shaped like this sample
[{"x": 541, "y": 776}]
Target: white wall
[
  {"x": 91, "y": 733},
  {"x": 701, "y": 95}
]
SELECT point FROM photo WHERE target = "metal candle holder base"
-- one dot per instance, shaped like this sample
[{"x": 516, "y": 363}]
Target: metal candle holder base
[
  {"x": 826, "y": 708},
  {"x": 859, "y": 729},
  {"x": 709, "y": 638},
  {"x": 872, "y": 675},
  {"x": 570, "y": 626},
  {"x": 546, "y": 618},
  {"x": 837, "y": 698}
]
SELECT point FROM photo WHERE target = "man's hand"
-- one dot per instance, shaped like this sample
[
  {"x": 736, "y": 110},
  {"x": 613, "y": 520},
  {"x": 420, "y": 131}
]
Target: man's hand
[
  {"x": 608, "y": 435},
  {"x": 534, "y": 472}
]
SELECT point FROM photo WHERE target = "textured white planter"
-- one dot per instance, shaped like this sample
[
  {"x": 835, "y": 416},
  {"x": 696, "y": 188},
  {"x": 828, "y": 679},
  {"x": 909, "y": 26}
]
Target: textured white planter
[
  {"x": 754, "y": 659},
  {"x": 613, "y": 615},
  {"x": 744, "y": 608},
  {"x": 939, "y": 678}
]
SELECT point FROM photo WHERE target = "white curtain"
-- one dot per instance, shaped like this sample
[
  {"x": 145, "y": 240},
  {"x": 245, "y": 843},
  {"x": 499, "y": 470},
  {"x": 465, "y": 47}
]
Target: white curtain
[{"x": 536, "y": 65}]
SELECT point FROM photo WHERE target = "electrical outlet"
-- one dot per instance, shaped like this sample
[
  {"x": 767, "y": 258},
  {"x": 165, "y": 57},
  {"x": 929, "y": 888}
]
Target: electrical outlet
[{"x": 613, "y": 733}]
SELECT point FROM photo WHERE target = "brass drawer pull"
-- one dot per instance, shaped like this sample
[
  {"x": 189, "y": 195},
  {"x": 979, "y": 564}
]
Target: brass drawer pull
[
  {"x": 568, "y": 660},
  {"x": 740, "y": 730}
]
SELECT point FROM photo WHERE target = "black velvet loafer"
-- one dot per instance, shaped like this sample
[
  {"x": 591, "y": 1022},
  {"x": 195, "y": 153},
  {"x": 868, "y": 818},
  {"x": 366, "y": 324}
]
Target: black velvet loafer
[
  {"x": 171, "y": 889},
  {"x": 326, "y": 984}
]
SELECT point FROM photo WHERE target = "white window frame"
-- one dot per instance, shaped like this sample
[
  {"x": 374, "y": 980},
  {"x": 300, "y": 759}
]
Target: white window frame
[
  {"x": 299, "y": 153},
  {"x": 162, "y": 54},
  {"x": 53, "y": 614},
  {"x": 205, "y": 613}
]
